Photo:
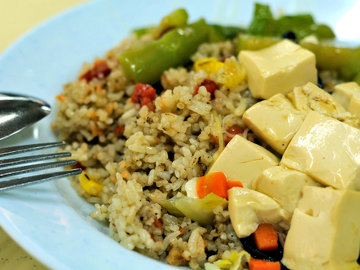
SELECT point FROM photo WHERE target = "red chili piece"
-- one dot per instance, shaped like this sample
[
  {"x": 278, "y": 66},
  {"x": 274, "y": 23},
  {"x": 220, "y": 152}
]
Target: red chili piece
[
  {"x": 232, "y": 131},
  {"x": 100, "y": 69},
  {"x": 210, "y": 87},
  {"x": 119, "y": 131},
  {"x": 78, "y": 165},
  {"x": 144, "y": 95}
]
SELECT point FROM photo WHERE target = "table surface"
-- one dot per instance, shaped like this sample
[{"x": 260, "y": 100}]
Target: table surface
[{"x": 17, "y": 20}]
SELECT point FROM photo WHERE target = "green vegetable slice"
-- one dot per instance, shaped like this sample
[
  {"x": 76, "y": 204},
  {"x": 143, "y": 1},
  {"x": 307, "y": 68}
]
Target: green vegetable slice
[
  {"x": 200, "y": 210},
  {"x": 302, "y": 25},
  {"x": 146, "y": 63}
]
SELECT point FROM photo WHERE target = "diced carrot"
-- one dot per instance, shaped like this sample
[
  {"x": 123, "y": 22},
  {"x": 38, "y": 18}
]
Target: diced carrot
[
  {"x": 256, "y": 264},
  {"x": 266, "y": 237},
  {"x": 182, "y": 231},
  {"x": 234, "y": 183},
  {"x": 60, "y": 98},
  {"x": 212, "y": 183},
  {"x": 158, "y": 223}
]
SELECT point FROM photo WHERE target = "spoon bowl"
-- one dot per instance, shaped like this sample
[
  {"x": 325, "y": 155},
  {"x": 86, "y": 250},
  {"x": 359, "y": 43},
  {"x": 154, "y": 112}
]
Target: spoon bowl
[{"x": 18, "y": 112}]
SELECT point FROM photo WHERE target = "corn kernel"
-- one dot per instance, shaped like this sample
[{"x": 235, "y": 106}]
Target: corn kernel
[
  {"x": 88, "y": 185},
  {"x": 209, "y": 65}
]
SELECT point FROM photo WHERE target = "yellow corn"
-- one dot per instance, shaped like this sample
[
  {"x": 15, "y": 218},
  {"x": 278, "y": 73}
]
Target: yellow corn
[
  {"x": 232, "y": 74},
  {"x": 209, "y": 65},
  {"x": 88, "y": 185}
]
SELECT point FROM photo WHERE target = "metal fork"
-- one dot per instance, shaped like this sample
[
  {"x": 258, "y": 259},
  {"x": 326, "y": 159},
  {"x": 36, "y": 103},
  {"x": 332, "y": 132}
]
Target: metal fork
[{"x": 32, "y": 163}]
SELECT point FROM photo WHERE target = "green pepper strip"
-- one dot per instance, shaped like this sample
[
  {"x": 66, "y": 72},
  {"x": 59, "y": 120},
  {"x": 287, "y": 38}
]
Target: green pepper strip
[
  {"x": 147, "y": 63},
  {"x": 219, "y": 33},
  {"x": 177, "y": 18},
  {"x": 302, "y": 25},
  {"x": 329, "y": 57}
]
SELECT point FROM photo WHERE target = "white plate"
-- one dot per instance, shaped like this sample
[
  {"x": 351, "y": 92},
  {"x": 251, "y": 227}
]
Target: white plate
[{"x": 49, "y": 220}]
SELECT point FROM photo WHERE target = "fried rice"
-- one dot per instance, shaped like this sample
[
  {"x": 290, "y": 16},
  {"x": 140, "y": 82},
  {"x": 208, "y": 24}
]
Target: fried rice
[{"x": 141, "y": 157}]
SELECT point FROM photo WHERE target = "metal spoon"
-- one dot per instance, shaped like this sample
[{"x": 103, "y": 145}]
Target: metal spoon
[{"x": 18, "y": 112}]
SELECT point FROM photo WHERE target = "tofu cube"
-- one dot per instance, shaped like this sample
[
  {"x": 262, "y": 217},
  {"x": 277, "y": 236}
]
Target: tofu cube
[
  {"x": 275, "y": 121},
  {"x": 278, "y": 68},
  {"x": 325, "y": 230},
  {"x": 344, "y": 91},
  {"x": 283, "y": 185},
  {"x": 249, "y": 208},
  {"x": 243, "y": 160},
  {"x": 327, "y": 150},
  {"x": 354, "y": 106},
  {"x": 310, "y": 97}
]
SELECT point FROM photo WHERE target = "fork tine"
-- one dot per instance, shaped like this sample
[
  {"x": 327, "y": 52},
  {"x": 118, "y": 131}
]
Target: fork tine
[
  {"x": 5, "y": 185},
  {"x": 27, "y": 159},
  {"x": 35, "y": 167},
  {"x": 30, "y": 147}
]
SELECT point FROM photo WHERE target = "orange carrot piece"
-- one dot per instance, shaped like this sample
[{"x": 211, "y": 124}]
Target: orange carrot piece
[
  {"x": 234, "y": 183},
  {"x": 256, "y": 264},
  {"x": 212, "y": 183},
  {"x": 266, "y": 237}
]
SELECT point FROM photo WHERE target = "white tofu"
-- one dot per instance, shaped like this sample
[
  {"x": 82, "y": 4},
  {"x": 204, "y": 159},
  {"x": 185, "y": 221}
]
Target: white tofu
[
  {"x": 344, "y": 91},
  {"x": 283, "y": 185},
  {"x": 354, "y": 106},
  {"x": 275, "y": 121},
  {"x": 249, "y": 208},
  {"x": 325, "y": 230},
  {"x": 243, "y": 160},
  {"x": 278, "y": 68},
  {"x": 310, "y": 97},
  {"x": 327, "y": 150}
]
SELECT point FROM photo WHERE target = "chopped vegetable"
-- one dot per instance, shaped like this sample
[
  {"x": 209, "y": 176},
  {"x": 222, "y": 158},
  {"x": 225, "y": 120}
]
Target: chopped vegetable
[
  {"x": 256, "y": 264},
  {"x": 212, "y": 183},
  {"x": 88, "y": 185},
  {"x": 219, "y": 33},
  {"x": 144, "y": 95},
  {"x": 250, "y": 42},
  {"x": 139, "y": 32},
  {"x": 330, "y": 57},
  {"x": 177, "y": 18},
  {"x": 234, "y": 183},
  {"x": 200, "y": 210},
  {"x": 119, "y": 131},
  {"x": 263, "y": 24},
  {"x": 99, "y": 70},
  {"x": 209, "y": 65},
  {"x": 232, "y": 131},
  {"x": 158, "y": 223},
  {"x": 147, "y": 63},
  {"x": 210, "y": 86},
  {"x": 302, "y": 25},
  {"x": 232, "y": 74},
  {"x": 266, "y": 237},
  {"x": 249, "y": 245},
  {"x": 231, "y": 262},
  {"x": 78, "y": 165}
]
